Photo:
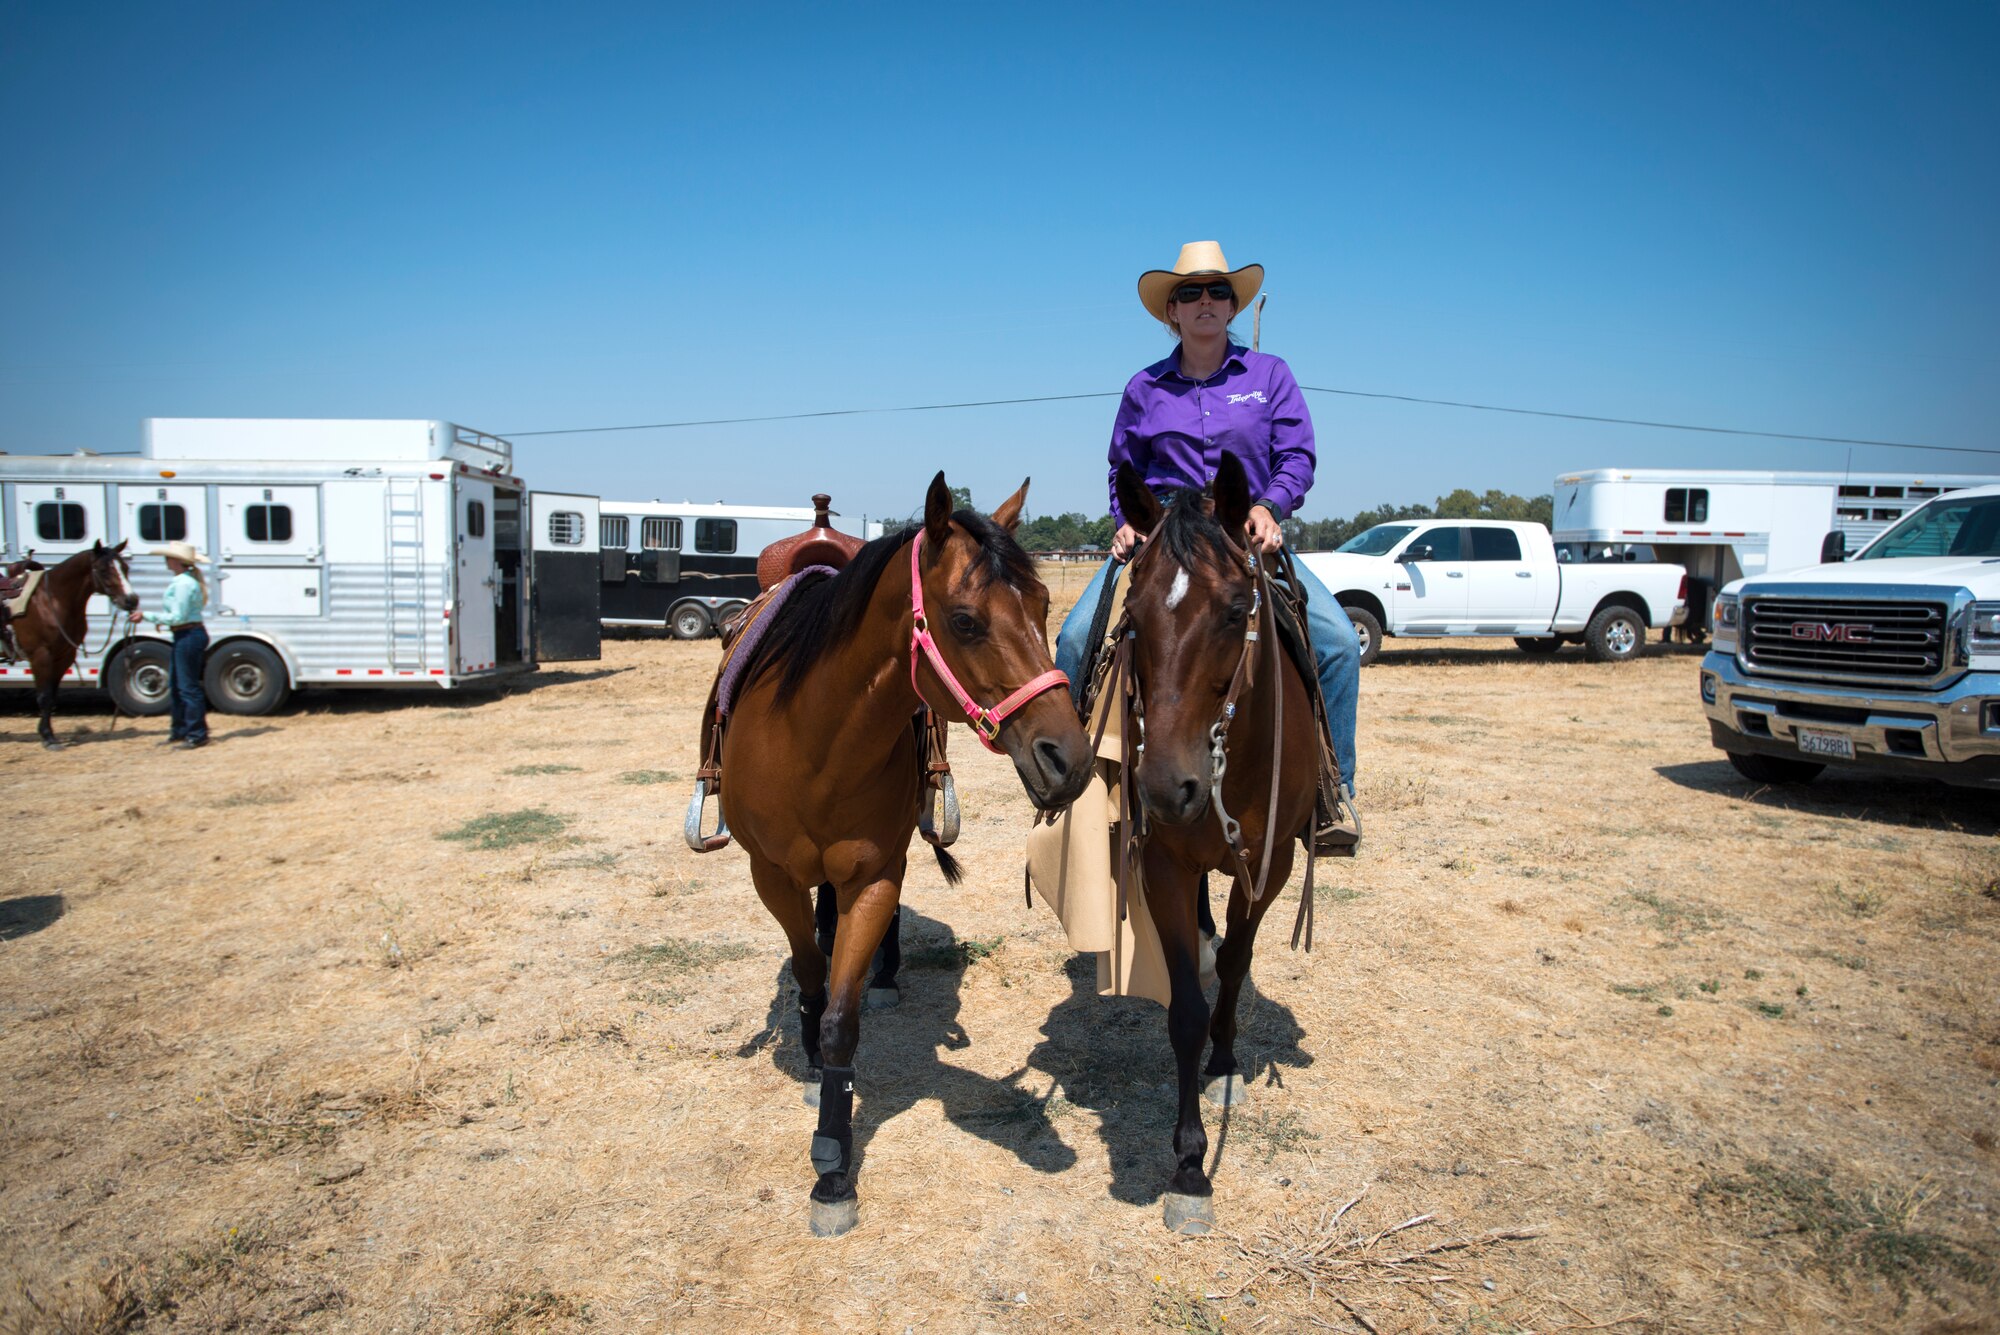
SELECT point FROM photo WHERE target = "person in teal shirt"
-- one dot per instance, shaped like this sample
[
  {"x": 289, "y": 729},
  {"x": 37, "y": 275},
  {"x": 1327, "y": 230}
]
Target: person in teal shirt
[{"x": 180, "y": 612}]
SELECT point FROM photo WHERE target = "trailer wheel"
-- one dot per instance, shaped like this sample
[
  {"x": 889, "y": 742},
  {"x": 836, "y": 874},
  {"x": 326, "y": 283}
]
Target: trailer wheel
[
  {"x": 1367, "y": 630},
  {"x": 137, "y": 680},
  {"x": 1541, "y": 646},
  {"x": 689, "y": 621},
  {"x": 1773, "y": 769},
  {"x": 246, "y": 677},
  {"x": 1615, "y": 635}
]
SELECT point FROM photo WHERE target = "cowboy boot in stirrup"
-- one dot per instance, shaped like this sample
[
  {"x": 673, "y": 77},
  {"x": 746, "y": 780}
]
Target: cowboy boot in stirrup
[{"x": 1336, "y": 823}]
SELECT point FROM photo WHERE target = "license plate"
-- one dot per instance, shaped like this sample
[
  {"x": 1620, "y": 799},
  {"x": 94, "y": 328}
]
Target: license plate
[{"x": 1835, "y": 744}]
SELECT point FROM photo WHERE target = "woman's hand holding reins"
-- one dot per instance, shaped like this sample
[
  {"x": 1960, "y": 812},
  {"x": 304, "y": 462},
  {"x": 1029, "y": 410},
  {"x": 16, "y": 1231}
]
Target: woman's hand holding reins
[
  {"x": 1125, "y": 541},
  {"x": 1263, "y": 531}
]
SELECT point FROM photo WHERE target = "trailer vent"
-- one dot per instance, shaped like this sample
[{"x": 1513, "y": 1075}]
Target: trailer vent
[{"x": 1845, "y": 638}]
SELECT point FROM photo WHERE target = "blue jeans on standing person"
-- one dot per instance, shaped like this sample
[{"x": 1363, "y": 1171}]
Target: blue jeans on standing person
[
  {"x": 1335, "y": 647},
  {"x": 187, "y": 702}
]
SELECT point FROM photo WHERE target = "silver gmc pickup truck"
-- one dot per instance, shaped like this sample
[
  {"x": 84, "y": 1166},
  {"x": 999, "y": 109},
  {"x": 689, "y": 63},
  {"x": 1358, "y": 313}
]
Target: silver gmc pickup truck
[{"x": 1888, "y": 661}]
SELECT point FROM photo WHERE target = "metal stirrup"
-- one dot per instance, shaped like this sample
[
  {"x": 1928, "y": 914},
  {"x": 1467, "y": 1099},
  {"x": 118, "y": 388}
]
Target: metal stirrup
[
  {"x": 696, "y": 840},
  {"x": 937, "y": 818}
]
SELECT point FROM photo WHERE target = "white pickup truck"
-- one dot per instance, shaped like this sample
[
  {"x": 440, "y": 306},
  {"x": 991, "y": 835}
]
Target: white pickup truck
[
  {"x": 1435, "y": 577},
  {"x": 1889, "y": 661}
]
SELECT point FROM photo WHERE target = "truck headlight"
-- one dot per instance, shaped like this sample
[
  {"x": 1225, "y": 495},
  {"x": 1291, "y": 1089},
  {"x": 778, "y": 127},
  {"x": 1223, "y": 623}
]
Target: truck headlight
[
  {"x": 1983, "y": 633},
  {"x": 1727, "y": 606}
]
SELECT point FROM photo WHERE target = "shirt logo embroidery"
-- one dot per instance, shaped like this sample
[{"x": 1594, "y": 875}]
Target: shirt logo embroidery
[{"x": 1256, "y": 394}]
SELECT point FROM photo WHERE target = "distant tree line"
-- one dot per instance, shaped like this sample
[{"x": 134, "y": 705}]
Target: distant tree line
[{"x": 1067, "y": 532}]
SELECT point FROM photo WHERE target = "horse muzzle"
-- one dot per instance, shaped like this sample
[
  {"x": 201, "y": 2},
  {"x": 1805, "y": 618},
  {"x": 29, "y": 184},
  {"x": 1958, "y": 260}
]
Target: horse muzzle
[
  {"x": 1054, "y": 770},
  {"x": 1177, "y": 797}
]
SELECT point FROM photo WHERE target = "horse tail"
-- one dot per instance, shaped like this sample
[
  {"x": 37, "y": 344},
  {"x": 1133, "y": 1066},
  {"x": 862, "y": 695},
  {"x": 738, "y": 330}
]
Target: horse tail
[{"x": 953, "y": 873}]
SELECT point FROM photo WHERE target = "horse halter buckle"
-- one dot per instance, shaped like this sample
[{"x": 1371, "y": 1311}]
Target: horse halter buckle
[{"x": 985, "y": 722}]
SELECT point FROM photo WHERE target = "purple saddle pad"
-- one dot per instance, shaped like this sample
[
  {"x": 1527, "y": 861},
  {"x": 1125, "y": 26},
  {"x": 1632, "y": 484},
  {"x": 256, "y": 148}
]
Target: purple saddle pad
[{"x": 745, "y": 648}]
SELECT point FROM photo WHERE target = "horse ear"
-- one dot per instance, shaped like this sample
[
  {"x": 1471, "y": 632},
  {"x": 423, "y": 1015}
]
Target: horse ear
[
  {"x": 1136, "y": 499},
  {"x": 97, "y": 547},
  {"x": 1232, "y": 496},
  {"x": 937, "y": 511},
  {"x": 119, "y": 550},
  {"x": 1008, "y": 516}
]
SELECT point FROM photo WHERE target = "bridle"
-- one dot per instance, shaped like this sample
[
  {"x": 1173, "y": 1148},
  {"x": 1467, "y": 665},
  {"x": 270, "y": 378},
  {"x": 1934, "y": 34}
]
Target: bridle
[
  {"x": 985, "y": 722},
  {"x": 1122, "y": 675}
]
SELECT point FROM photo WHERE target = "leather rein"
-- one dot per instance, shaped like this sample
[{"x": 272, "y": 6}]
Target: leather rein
[{"x": 1122, "y": 676}]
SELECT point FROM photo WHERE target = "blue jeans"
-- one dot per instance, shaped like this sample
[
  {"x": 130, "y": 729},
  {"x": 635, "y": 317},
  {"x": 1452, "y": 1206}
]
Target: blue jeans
[
  {"x": 1335, "y": 648},
  {"x": 187, "y": 702}
]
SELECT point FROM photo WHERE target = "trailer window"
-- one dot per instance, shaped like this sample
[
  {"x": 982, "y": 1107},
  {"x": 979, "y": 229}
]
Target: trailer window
[
  {"x": 1687, "y": 505},
  {"x": 566, "y": 528},
  {"x": 612, "y": 532},
  {"x": 1495, "y": 544},
  {"x": 59, "y": 521},
  {"x": 163, "y": 523},
  {"x": 267, "y": 523},
  {"x": 475, "y": 519},
  {"x": 664, "y": 535},
  {"x": 715, "y": 535}
]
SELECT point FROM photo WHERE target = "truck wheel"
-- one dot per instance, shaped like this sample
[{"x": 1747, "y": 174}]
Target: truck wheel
[
  {"x": 689, "y": 621},
  {"x": 137, "y": 681},
  {"x": 1614, "y": 635},
  {"x": 1774, "y": 769},
  {"x": 1541, "y": 646},
  {"x": 1367, "y": 630},
  {"x": 246, "y": 677}
]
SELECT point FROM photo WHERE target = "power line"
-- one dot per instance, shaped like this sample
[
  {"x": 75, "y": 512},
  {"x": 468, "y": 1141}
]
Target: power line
[
  {"x": 1314, "y": 389},
  {"x": 1636, "y": 421}
]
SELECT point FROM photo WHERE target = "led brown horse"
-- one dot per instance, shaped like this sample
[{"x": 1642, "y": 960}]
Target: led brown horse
[
  {"x": 824, "y": 782},
  {"x": 1225, "y": 767},
  {"x": 52, "y": 628}
]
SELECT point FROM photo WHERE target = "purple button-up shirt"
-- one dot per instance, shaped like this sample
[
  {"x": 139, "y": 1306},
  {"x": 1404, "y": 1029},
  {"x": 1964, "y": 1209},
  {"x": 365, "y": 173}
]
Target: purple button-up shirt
[{"x": 1174, "y": 430}]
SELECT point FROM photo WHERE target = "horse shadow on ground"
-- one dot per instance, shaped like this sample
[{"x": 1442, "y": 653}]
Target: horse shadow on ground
[
  {"x": 1106, "y": 1054},
  {"x": 1920, "y": 804},
  {"x": 27, "y": 914},
  {"x": 1112, "y": 1056},
  {"x": 897, "y": 1064}
]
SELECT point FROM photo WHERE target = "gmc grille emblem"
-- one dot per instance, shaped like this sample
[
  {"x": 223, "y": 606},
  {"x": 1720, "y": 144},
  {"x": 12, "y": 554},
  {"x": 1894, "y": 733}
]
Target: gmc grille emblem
[{"x": 1833, "y": 632}]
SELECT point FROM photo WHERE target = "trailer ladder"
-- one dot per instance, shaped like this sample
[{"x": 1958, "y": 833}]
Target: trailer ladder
[{"x": 405, "y": 529}]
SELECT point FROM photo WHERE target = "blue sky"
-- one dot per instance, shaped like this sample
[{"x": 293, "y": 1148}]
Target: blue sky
[{"x": 526, "y": 217}]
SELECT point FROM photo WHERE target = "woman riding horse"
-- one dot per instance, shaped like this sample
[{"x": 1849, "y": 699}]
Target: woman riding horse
[{"x": 1174, "y": 422}]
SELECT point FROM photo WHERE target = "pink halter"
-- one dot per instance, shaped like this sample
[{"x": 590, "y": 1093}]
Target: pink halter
[{"x": 985, "y": 722}]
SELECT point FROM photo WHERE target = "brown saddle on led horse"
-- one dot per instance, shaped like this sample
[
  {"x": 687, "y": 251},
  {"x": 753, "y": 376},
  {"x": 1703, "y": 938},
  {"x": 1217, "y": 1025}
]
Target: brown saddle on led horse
[{"x": 821, "y": 546}]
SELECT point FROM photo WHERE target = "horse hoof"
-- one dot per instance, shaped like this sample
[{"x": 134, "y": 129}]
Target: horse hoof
[
  {"x": 830, "y": 1219},
  {"x": 1227, "y": 1091},
  {"x": 882, "y": 998},
  {"x": 52, "y": 746},
  {"x": 811, "y": 1091},
  {"x": 1190, "y": 1215}
]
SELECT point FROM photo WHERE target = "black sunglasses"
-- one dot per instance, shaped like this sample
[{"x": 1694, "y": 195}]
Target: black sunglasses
[{"x": 1191, "y": 292}]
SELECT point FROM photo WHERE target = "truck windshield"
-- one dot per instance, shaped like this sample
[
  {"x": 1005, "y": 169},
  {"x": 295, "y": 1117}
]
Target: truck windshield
[
  {"x": 1377, "y": 540},
  {"x": 1968, "y": 527}
]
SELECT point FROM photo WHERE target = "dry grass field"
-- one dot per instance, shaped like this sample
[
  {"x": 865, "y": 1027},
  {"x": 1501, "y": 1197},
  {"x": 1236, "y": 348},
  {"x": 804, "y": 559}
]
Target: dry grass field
[{"x": 413, "y": 1013}]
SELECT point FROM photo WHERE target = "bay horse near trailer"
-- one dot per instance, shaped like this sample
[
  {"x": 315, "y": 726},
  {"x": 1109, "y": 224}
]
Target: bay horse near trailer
[
  {"x": 824, "y": 779},
  {"x": 52, "y": 627},
  {"x": 1224, "y": 755}
]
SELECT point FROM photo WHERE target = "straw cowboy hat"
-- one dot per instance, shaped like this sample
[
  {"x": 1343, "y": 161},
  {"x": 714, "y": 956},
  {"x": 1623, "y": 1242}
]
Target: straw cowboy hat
[
  {"x": 183, "y": 552},
  {"x": 1198, "y": 259}
]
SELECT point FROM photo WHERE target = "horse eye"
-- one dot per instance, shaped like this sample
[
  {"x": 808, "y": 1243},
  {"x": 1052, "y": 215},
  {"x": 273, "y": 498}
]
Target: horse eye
[
  {"x": 965, "y": 624},
  {"x": 1237, "y": 612}
]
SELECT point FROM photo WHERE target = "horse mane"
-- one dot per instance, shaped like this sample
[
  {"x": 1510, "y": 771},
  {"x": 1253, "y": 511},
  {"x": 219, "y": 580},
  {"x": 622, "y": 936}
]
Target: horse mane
[
  {"x": 1193, "y": 533},
  {"x": 823, "y": 612}
]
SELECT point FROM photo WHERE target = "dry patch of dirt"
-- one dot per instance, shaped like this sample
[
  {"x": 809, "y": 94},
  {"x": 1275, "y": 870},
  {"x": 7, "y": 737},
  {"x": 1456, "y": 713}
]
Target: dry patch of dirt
[{"x": 414, "y": 1013}]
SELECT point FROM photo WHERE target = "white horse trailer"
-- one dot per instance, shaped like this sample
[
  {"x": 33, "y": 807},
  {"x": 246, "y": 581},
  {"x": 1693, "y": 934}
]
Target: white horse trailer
[
  {"x": 1723, "y": 524},
  {"x": 341, "y": 553},
  {"x": 686, "y": 566}
]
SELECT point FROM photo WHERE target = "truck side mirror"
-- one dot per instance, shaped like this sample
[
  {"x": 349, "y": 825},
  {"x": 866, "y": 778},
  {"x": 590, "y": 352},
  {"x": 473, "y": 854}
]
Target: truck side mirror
[
  {"x": 1420, "y": 552},
  {"x": 1833, "y": 547}
]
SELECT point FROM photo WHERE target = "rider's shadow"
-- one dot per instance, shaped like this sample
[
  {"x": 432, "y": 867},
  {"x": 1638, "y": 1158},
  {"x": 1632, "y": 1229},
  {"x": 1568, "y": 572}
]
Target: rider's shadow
[
  {"x": 1112, "y": 1056},
  {"x": 898, "y": 1063}
]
